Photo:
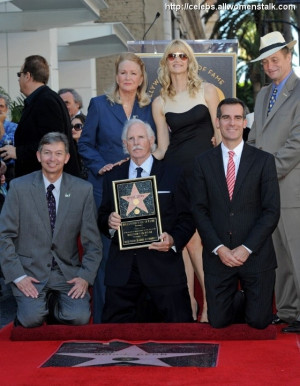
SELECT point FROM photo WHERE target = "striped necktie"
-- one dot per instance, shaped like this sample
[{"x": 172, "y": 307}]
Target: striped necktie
[{"x": 230, "y": 175}]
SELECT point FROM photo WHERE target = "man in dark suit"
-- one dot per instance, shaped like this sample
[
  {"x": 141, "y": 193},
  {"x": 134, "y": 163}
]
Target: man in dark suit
[
  {"x": 44, "y": 111},
  {"x": 236, "y": 208},
  {"x": 42, "y": 217},
  {"x": 160, "y": 267}
]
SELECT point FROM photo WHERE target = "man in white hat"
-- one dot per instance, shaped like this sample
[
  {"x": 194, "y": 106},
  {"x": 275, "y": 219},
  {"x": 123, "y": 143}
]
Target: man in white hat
[{"x": 276, "y": 129}]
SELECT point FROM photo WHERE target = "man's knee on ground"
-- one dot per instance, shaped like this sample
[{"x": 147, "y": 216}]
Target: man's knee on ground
[{"x": 30, "y": 319}]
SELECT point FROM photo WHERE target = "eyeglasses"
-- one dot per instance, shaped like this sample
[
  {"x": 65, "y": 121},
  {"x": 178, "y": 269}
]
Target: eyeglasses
[
  {"x": 77, "y": 126},
  {"x": 180, "y": 55},
  {"x": 19, "y": 73}
]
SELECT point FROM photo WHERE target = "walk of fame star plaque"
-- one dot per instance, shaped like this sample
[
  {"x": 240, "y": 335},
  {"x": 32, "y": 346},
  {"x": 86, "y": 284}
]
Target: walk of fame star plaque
[{"x": 136, "y": 201}]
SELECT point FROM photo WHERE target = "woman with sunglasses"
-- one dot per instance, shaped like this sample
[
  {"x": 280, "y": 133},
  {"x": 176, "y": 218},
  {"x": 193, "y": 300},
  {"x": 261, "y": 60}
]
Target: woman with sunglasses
[
  {"x": 185, "y": 114},
  {"x": 77, "y": 123}
]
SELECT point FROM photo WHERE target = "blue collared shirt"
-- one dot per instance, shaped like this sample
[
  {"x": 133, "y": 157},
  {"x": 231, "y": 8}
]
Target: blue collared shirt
[{"x": 280, "y": 85}]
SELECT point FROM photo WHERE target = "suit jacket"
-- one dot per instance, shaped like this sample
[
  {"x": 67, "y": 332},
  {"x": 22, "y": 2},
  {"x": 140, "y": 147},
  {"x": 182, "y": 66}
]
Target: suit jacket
[
  {"x": 46, "y": 112},
  {"x": 248, "y": 219},
  {"x": 26, "y": 242},
  {"x": 100, "y": 142},
  {"x": 279, "y": 134},
  {"x": 156, "y": 268}
]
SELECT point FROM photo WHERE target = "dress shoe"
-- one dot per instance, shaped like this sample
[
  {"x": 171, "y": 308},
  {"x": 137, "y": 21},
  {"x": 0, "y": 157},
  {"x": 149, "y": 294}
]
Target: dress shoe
[
  {"x": 276, "y": 320},
  {"x": 293, "y": 327}
]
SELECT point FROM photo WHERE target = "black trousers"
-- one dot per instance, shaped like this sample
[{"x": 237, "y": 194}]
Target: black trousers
[
  {"x": 121, "y": 303},
  {"x": 222, "y": 291}
]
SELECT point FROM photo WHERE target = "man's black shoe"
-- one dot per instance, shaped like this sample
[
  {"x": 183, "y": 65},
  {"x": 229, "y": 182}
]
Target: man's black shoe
[
  {"x": 276, "y": 320},
  {"x": 293, "y": 327}
]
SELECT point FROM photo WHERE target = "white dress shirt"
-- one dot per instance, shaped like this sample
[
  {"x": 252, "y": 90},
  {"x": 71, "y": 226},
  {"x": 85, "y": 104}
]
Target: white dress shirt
[
  {"x": 236, "y": 159},
  {"x": 146, "y": 166}
]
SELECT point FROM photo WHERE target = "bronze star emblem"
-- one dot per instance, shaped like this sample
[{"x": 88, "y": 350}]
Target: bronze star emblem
[{"x": 136, "y": 201}]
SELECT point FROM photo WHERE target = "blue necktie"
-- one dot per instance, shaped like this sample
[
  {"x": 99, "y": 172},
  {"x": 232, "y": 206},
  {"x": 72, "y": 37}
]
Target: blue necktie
[
  {"x": 272, "y": 100},
  {"x": 139, "y": 172}
]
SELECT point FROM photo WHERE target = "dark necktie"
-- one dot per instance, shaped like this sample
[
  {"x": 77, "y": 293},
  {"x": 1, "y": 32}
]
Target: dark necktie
[
  {"x": 272, "y": 100},
  {"x": 139, "y": 172},
  {"x": 52, "y": 213},
  {"x": 51, "y": 206},
  {"x": 230, "y": 175}
]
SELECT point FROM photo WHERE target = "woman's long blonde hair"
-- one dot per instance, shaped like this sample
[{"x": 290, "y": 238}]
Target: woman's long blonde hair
[
  {"x": 164, "y": 77},
  {"x": 143, "y": 98}
]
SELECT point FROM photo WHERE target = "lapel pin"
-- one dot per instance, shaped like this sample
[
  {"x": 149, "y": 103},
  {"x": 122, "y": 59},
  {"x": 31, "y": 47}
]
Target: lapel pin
[{"x": 68, "y": 195}]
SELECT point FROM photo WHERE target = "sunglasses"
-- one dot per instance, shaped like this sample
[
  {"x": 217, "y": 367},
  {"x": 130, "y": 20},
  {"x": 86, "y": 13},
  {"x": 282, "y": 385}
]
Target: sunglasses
[
  {"x": 77, "y": 126},
  {"x": 182, "y": 56}
]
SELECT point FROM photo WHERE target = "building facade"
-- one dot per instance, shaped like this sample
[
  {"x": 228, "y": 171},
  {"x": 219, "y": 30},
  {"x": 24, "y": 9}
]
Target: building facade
[{"x": 81, "y": 38}]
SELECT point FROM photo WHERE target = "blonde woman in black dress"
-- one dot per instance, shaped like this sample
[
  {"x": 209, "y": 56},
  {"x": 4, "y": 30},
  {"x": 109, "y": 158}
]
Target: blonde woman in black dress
[{"x": 185, "y": 114}]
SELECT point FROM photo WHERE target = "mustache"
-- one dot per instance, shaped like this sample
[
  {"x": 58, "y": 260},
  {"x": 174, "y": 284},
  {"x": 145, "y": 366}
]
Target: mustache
[{"x": 137, "y": 147}]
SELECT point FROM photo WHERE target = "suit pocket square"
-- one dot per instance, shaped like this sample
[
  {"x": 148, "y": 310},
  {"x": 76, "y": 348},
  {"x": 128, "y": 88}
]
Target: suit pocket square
[{"x": 164, "y": 191}]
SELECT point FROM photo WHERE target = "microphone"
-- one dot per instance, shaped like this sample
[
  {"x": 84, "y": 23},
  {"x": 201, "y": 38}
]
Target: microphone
[{"x": 156, "y": 17}]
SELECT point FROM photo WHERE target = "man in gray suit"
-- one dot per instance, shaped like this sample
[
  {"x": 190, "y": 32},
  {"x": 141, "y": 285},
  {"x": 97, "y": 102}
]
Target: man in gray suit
[
  {"x": 43, "y": 215},
  {"x": 276, "y": 129}
]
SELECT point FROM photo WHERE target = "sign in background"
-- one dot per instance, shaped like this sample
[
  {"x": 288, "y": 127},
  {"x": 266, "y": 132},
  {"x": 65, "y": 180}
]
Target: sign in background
[{"x": 216, "y": 58}]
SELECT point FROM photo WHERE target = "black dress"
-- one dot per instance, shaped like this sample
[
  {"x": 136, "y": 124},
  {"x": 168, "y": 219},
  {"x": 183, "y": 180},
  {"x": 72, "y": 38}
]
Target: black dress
[{"x": 190, "y": 134}]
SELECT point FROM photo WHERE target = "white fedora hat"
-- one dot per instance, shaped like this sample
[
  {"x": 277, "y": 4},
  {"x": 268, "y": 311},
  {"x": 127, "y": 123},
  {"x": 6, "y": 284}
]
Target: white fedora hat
[{"x": 271, "y": 43}]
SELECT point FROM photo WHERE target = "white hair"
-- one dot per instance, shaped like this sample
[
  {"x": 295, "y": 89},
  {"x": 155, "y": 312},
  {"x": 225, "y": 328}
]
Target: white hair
[{"x": 149, "y": 131}]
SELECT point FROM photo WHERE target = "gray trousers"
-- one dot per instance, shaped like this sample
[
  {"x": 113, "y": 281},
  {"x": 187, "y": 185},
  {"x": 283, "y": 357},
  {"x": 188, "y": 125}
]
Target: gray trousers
[
  {"x": 33, "y": 312},
  {"x": 286, "y": 239}
]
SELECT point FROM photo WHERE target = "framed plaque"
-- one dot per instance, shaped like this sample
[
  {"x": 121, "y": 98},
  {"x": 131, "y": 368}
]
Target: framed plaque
[{"x": 136, "y": 201}]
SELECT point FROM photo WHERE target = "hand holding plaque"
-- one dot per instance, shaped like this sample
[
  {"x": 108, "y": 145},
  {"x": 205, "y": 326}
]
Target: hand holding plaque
[{"x": 136, "y": 202}]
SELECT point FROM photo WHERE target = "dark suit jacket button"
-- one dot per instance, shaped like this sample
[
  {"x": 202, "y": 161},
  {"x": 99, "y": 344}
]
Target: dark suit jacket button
[
  {"x": 52, "y": 247},
  {"x": 48, "y": 265}
]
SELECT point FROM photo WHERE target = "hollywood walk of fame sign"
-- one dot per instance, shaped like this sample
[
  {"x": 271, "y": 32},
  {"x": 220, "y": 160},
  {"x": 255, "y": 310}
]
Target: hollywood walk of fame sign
[{"x": 136, "y": 201}]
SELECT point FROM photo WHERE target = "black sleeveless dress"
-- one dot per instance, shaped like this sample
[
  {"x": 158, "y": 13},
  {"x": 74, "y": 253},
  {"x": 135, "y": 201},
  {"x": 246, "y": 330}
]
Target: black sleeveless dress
[{"x": 190, "y": 134}]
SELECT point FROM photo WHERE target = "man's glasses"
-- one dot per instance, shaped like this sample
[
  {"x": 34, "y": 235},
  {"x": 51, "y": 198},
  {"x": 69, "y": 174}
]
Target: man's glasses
[
  {"x": 77, "y": 126},
  {"x": 19, "y": 73},
  {"x": 180, "y": 55}
]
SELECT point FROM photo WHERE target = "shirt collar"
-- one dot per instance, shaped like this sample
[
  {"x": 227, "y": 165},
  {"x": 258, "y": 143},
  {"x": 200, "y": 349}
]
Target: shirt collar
[
  {"x": 237, "y": 150},
  {"x": 56, "y": 184},
  {"x": 281, "y": 84},
  {"x": 32, "y": 95},
  {"x": 146, "y": 165}
]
